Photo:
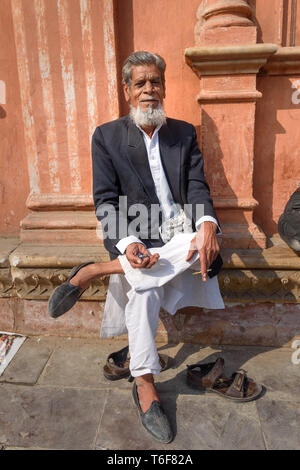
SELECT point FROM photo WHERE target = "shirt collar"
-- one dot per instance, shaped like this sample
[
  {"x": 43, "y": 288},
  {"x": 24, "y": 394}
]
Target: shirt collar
[{"x": 154, "y": 133}]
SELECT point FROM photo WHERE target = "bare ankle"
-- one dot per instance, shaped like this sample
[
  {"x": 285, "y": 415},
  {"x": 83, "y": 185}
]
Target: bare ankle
[{"x": 146, "y": 379}]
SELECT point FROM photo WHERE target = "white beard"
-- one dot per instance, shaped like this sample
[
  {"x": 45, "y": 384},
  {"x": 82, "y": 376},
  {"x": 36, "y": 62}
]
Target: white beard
[{"x": 150, "y": 117}]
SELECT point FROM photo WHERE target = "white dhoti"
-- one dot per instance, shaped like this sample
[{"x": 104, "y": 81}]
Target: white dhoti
[{"x": 134, "y": 299}]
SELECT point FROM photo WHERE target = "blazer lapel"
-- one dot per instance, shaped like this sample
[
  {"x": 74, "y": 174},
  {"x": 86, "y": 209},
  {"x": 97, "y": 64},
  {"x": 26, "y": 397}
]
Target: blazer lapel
[
  {"x": 170, "y": 152},
  {"x": 137, "y": 155}
]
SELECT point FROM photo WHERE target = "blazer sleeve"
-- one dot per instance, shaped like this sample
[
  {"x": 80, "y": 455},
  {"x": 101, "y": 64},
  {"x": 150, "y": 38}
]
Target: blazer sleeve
[
  {"x": 198, "y": 192},
  {"x": 106, "y": 192}
]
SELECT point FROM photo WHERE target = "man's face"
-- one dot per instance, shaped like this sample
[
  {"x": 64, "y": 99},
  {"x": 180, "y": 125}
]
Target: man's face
[{"x": 146, "y": 87}]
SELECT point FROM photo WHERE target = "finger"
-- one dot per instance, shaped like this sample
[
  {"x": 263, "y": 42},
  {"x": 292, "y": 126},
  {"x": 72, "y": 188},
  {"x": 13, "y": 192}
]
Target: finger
[
  {"x": 134, "y": 260},
  {"x": 190, "y": 255},
  {"x": 146, "y": 256},
  {"x": 210, "y": 258},
  {"x": 192, "y": 249},
  {"x": 154, "y": 258},
  {"x": 213, "y": 255},
  {"x": 137, "y": 262},
  {"x": 144, "y": 250},
  {"x": 147, "y": 261},
  {"x": 204, "y": 266}
]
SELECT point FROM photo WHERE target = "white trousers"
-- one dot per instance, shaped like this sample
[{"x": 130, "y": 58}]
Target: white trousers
[
  {"x": 141, "y": 317},
  {"x": 169, "y": 284}
]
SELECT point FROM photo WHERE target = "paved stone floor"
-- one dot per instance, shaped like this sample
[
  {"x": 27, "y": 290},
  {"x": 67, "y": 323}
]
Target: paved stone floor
[{"x": 53, "y": 396}]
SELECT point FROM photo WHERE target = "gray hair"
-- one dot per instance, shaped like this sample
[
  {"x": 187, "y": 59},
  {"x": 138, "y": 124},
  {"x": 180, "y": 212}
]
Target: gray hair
[{"x": 142, "y": 58}]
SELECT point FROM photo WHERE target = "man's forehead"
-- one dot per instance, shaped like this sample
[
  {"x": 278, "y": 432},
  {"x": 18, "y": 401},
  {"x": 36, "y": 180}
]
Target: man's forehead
[{"x": 147, "y": 71}]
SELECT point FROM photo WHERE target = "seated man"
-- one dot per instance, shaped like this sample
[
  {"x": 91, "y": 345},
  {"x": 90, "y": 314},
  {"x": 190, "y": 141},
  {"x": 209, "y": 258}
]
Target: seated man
[
  {"x": 289, "y": 221},
  {"x": 155, "y": 162}
]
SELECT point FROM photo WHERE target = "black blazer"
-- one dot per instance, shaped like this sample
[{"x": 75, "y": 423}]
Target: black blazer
[{"x": 121, "y": 168}]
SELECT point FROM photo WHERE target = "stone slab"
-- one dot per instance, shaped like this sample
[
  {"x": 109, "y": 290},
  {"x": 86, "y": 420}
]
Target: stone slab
[
  {"x": 72, "y": 394},
  {"x": 56, "y": 256},
  {"x": 280, "y": 422},
  {"x": 29, "y": 362},
  {"x": 120, "y": 425},
  {"x": 80, "y": 363},
  {"x": 211, "y": 422},
  {"x": 198, "y": 423},
  {"x": 48, "y": 417}
]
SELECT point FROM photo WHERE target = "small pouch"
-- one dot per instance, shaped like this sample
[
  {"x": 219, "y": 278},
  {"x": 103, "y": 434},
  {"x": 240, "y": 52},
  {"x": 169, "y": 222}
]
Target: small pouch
[{"x": 181, "y": 223}]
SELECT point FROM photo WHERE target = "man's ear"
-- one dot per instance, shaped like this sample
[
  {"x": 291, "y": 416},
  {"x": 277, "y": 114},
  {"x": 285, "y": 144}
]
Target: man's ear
[{"x": 126, "y": 92}]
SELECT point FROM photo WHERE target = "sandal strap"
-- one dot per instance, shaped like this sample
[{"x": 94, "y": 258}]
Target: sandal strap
[
  {"x": 212, "y": 376},
  {"x": 236, "y": 389},
  {"x": 209, "y": 379}
]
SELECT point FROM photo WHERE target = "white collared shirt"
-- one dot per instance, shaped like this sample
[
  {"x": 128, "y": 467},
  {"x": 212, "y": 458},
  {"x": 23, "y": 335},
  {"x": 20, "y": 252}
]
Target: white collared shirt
[{"x": 163, "y": 192}]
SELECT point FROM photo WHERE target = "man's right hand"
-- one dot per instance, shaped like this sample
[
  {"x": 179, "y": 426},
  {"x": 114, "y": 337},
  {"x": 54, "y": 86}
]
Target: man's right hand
[{"x": 132, "y": 252}]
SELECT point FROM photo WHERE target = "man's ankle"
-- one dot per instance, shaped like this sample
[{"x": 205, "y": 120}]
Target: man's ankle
[{"x": 144, "y": 380}]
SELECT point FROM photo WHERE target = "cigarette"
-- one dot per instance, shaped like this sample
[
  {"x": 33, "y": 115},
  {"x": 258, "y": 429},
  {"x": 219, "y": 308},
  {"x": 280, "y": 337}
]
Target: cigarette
[{"x": 199, "y": 272}]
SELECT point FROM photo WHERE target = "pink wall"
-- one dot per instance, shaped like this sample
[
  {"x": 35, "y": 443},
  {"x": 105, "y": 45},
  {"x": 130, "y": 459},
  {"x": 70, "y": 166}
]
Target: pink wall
[
  {"x": 277, "y": 149},
  {"x": 165, "y": 27},
  {"x": 275, "y": 22},
  {"x": 79, "y": 40},
  {"x": 14, "y": 186}
]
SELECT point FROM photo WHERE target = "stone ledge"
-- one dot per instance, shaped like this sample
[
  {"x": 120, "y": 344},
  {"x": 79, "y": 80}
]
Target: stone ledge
[
  {"x": 267, "y": 275},
  {"x": 286, "y": 61},
  {"x": 227, "y": 60},
  {"x": 273, "y": 258}
]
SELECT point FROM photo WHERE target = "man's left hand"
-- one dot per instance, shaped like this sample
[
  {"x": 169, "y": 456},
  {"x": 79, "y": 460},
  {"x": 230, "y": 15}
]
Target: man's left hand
[{"x": 206, "y": 243}]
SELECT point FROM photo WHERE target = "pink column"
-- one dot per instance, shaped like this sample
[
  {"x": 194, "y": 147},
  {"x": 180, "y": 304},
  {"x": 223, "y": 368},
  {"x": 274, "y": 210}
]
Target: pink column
[
  {"x": 226, "y": 58},
  {"x": 67, "y": 74}
]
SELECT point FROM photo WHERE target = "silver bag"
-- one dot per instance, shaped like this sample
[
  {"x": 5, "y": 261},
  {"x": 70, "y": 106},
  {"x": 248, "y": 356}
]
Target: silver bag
[{"x": 181, "y": 223}]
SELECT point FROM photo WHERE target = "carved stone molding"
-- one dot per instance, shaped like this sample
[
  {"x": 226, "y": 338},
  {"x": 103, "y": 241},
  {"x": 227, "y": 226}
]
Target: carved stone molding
[
  {"x": 225, "y": 22},
  {"x": 39, "y": 284},
  {"x": 7, "y": 287},
  {"x": 61, "y": 227},
  {"x": 228, "y": 96},
  {"x": 237, "y": 285},
  {"x": 60, "y": 218},
  {"x": 286, "y": 61},
  {"x": 56, "y": 202},
  {"x": 228, "y": 60},
  {"x": 224, "y": 13},
  {"x": 260, "y": 286}
]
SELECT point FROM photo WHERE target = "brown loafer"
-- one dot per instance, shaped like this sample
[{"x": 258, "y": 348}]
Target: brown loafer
[
  {"x": 208, "y": 378},
  {"x": 117, "y": 364}
]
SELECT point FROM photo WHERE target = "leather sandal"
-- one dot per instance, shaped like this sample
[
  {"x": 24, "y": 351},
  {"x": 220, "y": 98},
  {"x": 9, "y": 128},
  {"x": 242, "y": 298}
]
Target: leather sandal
[
  {"x": 208, "y": 378},
  {"x": 117, "y": 365},
  {"x": 66, "y": 295}
]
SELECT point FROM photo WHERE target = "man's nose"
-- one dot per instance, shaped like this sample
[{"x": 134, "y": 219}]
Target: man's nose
[{"x": 148, "y": 88}]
